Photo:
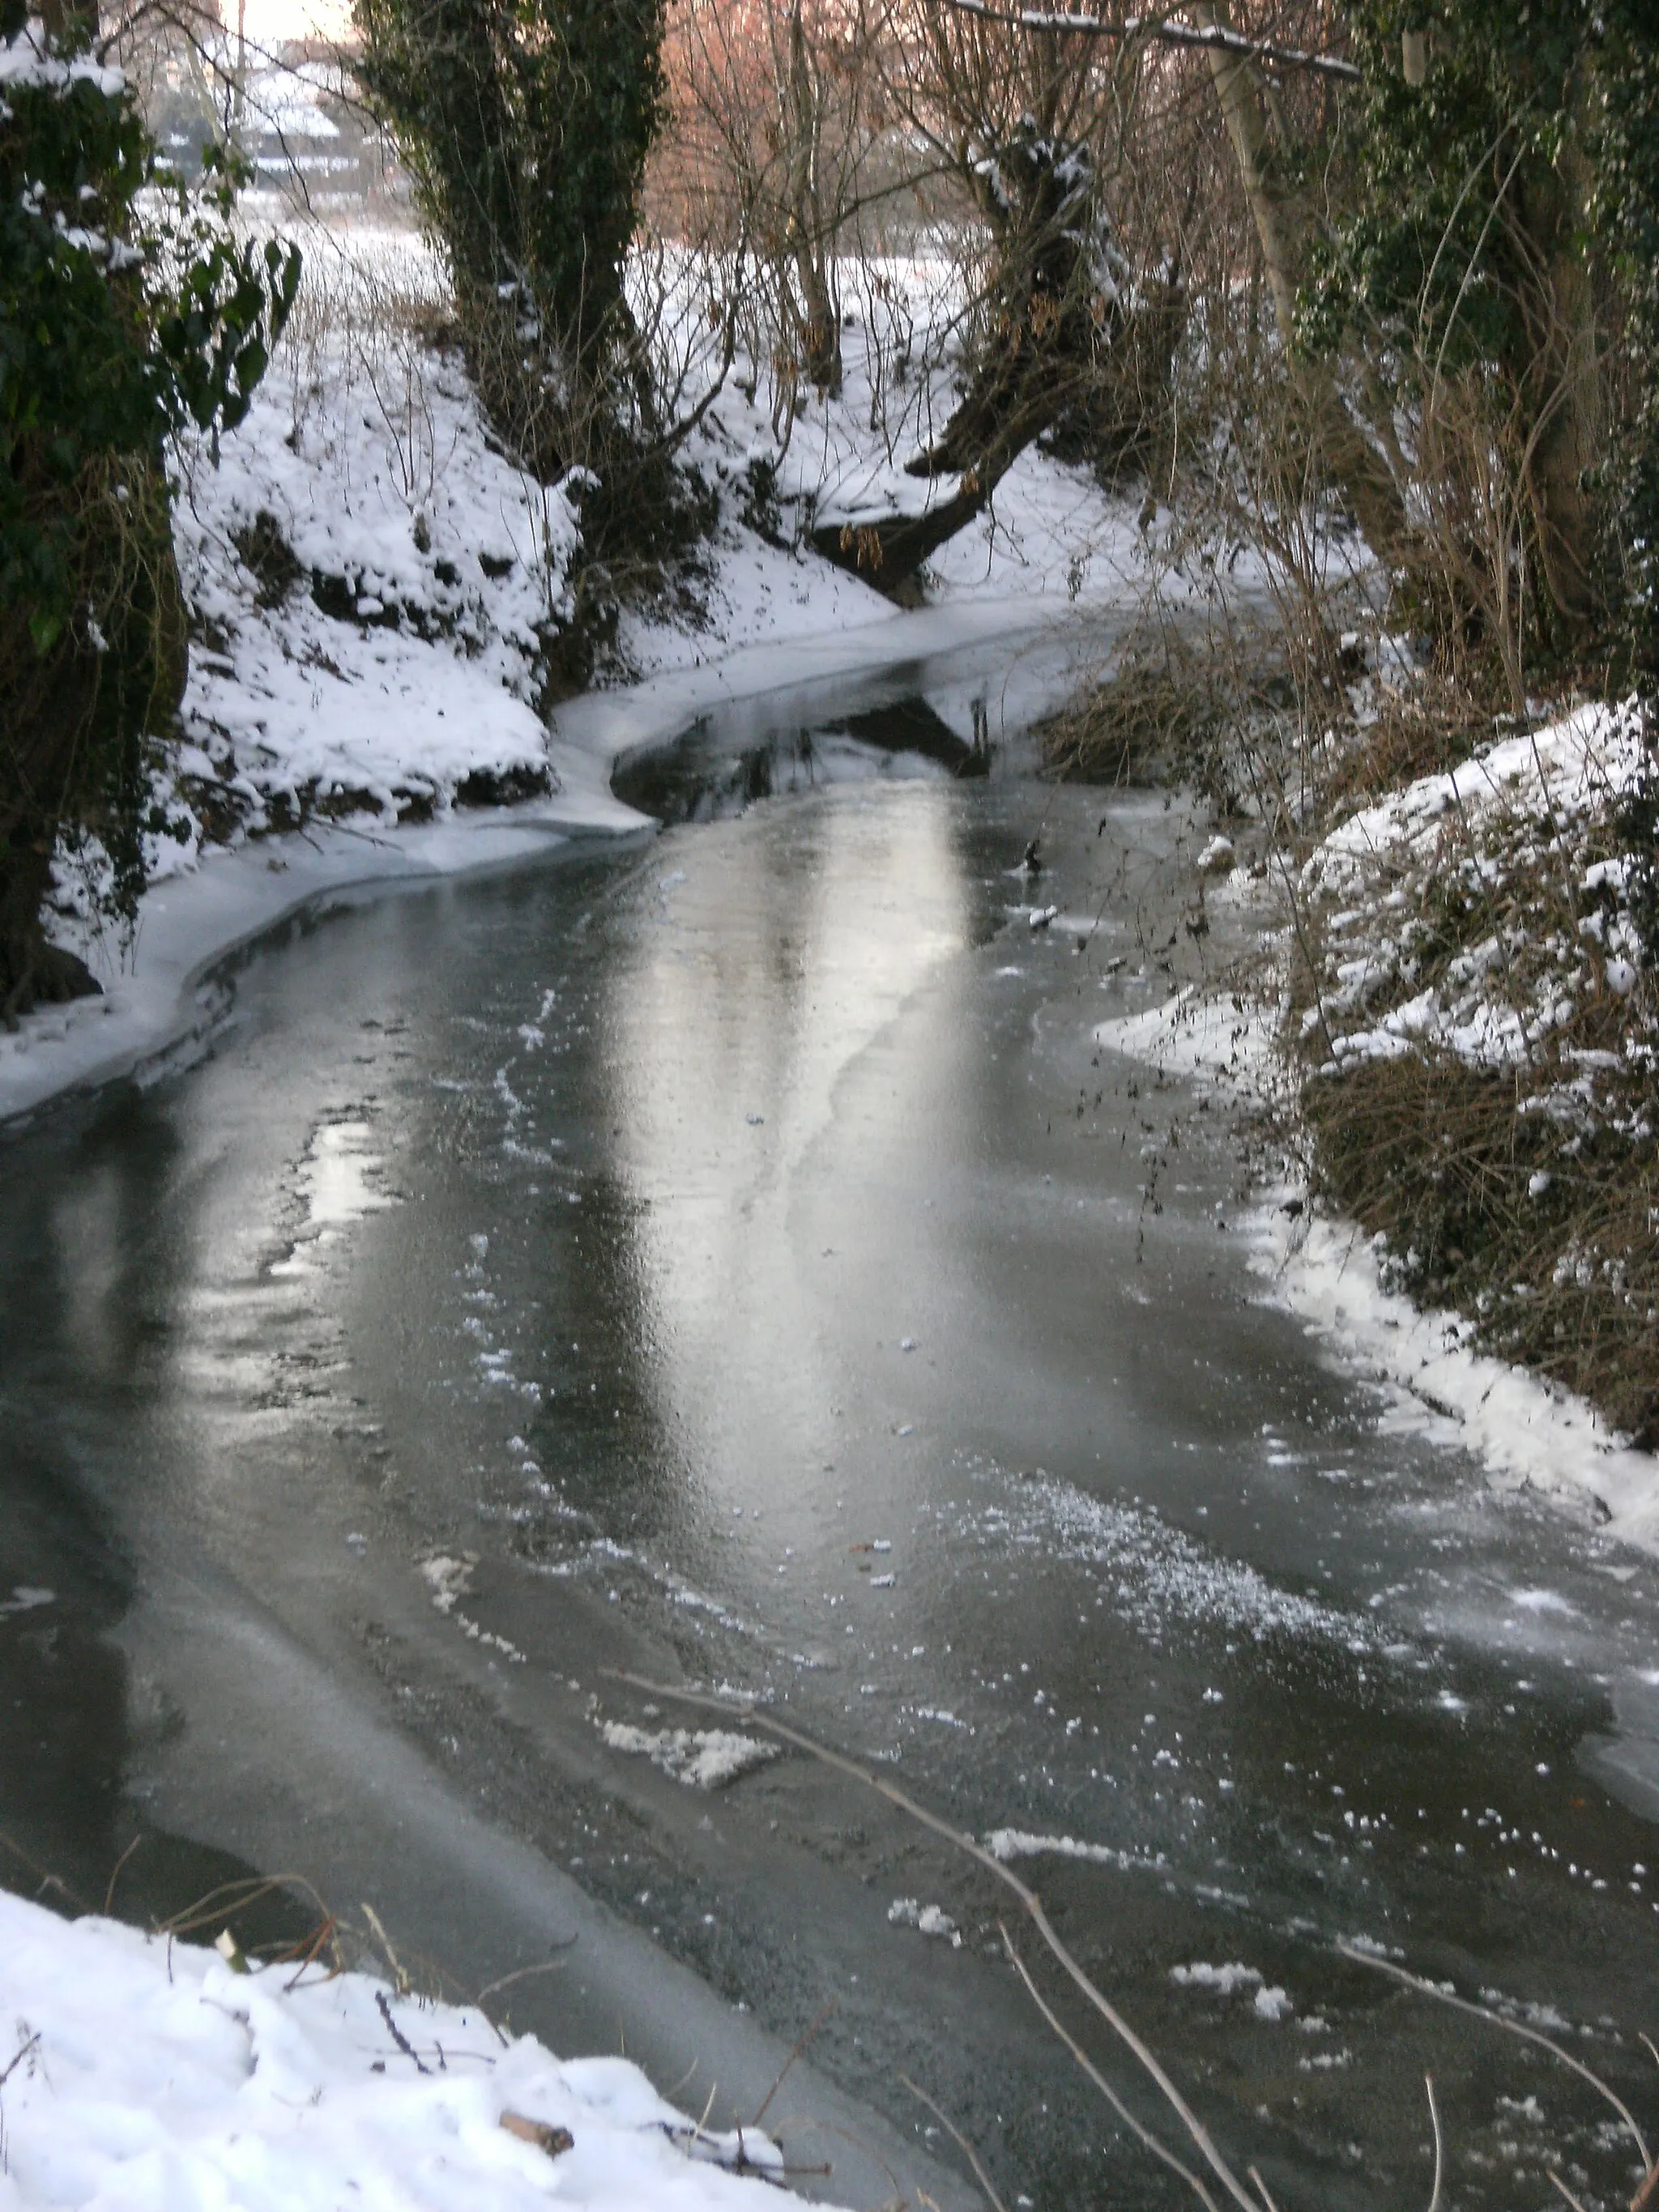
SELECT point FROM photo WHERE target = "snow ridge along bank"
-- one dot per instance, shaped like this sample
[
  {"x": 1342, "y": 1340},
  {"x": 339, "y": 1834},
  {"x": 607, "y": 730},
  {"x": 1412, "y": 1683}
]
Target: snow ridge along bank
[
  {"x": 1526, "y": 1431},
  {"x": 148, "y": 2075},
  {"x": 209, "y": 900}
]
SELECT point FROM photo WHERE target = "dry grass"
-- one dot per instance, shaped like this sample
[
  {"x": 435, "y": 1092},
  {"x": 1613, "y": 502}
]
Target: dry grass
[
  {"x": 1132, "y": 730},
  {"x": 1172, "y": 711},
  {"x": 1442, "y": 1160},
  {"x": 1421, "y": 732}
]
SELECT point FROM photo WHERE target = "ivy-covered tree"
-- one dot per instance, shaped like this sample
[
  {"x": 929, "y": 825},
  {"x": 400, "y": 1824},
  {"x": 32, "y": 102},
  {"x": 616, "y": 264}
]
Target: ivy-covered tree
[
  {"x": 1624, "y": 217},
  {"x": 1498, "y": 226},
  {"x": 525, "y": 125},
  {"x": 115, "y": 329},
  {"x": 1625, "y": 213}
]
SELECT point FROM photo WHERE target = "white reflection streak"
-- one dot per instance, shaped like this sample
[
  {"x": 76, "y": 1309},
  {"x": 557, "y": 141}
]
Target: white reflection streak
[{"x": 767, "y": 1014}]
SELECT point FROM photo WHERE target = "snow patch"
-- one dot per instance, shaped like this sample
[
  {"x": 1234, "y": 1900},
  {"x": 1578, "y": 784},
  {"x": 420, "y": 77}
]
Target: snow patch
[
  {"x": 1528, "y": 1434},
  {"x": 146, "y": 2073},
  {"x": 1269, "y": 2001},
  {"x": 703, "y": 1758},
  {"x": 928, "y": 1919},
  {"x": 1006, "y": 1843}
]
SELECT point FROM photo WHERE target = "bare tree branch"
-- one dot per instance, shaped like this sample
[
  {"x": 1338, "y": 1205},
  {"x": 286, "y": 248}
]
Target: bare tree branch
[{"x": 1162, "y": 31}]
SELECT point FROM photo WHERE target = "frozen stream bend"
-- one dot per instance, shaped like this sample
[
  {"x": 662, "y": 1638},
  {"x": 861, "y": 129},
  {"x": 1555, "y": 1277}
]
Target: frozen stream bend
[{"x": 728, "y": 1258}]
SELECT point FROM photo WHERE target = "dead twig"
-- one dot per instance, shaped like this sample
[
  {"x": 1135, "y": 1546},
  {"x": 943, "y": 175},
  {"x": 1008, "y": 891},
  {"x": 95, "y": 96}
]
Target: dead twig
[
  {"x": 33, "y": 2043},
  {"x": 960, "y": 2141},
  {"x": 1137, "y": 2127},
  {"x": 1439, "y": 2145},
  {"x": 554, "y": 2140},
  {"x": 384, "y": 2005},
  {"x": 1028, "y": 1897},
  {"x": 235, "y": 1897},
  {"x": 1216, "y": 38},
  {"x": 1512, "y": 2027},
  {"x": 1262, "y": 2190},
  {"x": 519, "y": 1974},
  {"x": 800, "y": 2045},
  {"x": 115, "y": 1874},
  {"x": 306, "y": 1950},
  {"x": 47, "y": 1880},
  {"x": 385, "y": 1941},
  {"x": 525, "y": 1973}
]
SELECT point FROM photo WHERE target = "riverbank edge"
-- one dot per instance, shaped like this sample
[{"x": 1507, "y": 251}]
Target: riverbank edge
[
  {"x": 158, "y": 1001},
  {"x": 1527, "y": 1435}
]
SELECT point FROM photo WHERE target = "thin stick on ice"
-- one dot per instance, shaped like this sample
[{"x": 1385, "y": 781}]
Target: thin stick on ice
[{"x": 1027, "y": 1896}]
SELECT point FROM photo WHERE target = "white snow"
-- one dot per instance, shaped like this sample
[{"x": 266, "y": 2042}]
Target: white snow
[
  {"x": 438, "y": 560},
  {"x": 24, "y": 61},
  {"x": 927, "y": 1919},
  {"x": 1006, "y": 1843},
  {"x": 703, "y": 1758},
  {"x": 1477, "y": 827},
  {"x": 1224, "y": 1036},
  {"x": 1268, "y": 2002},
  {"x": 1527, "y": 1433},
  {"x": 145, "y": 2076}
]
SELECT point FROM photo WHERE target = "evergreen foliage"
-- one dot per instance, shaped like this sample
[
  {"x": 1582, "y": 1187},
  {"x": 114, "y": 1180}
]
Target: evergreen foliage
[
  {"x": 525, "y": 125},
  {"x": 1624, "y": 213},
  {"x": 115, "y": 329},
  {"x": 1448, "y": 173},
  {"x": 1502, "y": 227}
]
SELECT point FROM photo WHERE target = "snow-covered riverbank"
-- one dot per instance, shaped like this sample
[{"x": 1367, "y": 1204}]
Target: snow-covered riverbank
[
  {"x": 1366, "y": 886},
  {"x": 375, "y": 587},
  {"x": 149, "y": 2075}
]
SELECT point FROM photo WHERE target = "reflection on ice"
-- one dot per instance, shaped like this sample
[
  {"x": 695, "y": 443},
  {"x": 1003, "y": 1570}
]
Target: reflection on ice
[{"x": 338, "y": 1184}]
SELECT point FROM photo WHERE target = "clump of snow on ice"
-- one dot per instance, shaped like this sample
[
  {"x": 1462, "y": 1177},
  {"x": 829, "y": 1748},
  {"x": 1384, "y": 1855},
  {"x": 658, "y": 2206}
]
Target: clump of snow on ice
[
  {"x": 25, "y": 1596},
  {"x": 1269, "y": 2002},
  {"x": 146, "y": 2072},
  {"x": 1217, "y": 857},
  {"x": 1006, "y": 1843},
  {"x": 703, "y": 1758},
  {"x": 448, "y": 1577},
  {"x": 907, "y": 1912},
  {"x": 1151, "y": 1574}
]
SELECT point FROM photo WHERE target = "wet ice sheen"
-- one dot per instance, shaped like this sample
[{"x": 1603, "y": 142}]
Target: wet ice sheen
[{"x": 1092, "y": 1551}]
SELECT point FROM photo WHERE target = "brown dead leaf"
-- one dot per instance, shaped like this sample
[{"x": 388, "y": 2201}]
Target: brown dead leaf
[{"x": 545, "y": 2137}]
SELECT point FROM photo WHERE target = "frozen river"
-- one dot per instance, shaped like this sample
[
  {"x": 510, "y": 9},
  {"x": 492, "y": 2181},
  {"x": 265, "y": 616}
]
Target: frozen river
[{"x": 728, "y": 1257}]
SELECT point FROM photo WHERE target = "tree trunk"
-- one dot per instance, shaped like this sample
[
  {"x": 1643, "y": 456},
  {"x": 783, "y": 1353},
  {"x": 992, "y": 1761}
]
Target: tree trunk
[
  {"x": 1282, "y": 224},
  {"x": 801, "y": 106},
  {"x": 1568, "y": 396},
  {"x": 888, "y": 549}
]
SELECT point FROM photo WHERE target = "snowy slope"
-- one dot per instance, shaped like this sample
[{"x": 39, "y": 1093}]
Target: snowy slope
[
  {"x": 378, "y": 589},
  {"x": 1547, "y": 798},
  {"x": 371, "y": 581},
  {"x": 147, "y": 2076}
]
